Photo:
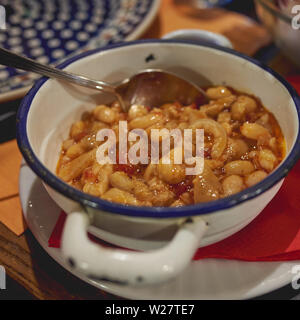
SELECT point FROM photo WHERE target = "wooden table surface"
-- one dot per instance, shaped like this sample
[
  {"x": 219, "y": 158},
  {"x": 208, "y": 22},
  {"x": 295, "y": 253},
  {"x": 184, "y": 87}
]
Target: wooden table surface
[{"x": 32, "y": 273}]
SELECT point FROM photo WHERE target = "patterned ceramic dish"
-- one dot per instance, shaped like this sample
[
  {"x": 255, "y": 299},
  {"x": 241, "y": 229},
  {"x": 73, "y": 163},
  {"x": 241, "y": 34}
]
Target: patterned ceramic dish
[{"x": 51, "y": 31}]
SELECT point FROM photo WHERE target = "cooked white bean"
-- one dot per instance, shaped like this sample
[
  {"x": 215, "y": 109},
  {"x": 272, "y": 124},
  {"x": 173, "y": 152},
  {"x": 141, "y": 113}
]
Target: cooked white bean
[
  {"x": 171, "y": 173},
  {"x": 121, "y": 196},
  {"x": 137, "y": 111},
  {"x": 254, "y": 131},
  {"x": 96, "y": 179},
  {"x": 226, "y": 102},
  {"x": 142, "y": 191},
  {"x": 263, "y": 120},
  {"x": 255, "y": 177},
  {"x": 232, "y": 184},
  {"x": 227, "y": 127},
  {"x": 76, "y": 129},
  {"x": 74, "y": 168},
  {"x": 212, "y": 109},
  {"x": 145, "y": 121},
  {"x": 236, "y": 148},
  {"x": 273, "y": 144},
  {"x": 224, "y": 116},
  {"x": 243, "y": 105},
  {"x": 249, "y": 103},
  {"x": 91, "y": 188},
  {"x": 96, "y": 189},
  {"x": 75, "y": 150},
  {"x": 105, "y": 114},
  {"x": 103, "y": 177},
  {"x": 218, "y": 92},
  {"x": 121, "y": 181},
  {"x": 238, "y": 111},
  {"x": 267, "y": 159},
  {"x": 239, "y": 167}
]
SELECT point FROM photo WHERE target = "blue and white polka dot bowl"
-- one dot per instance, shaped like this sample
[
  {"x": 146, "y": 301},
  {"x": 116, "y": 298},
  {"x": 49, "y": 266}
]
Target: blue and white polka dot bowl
[{"x": 51, "y": 31}]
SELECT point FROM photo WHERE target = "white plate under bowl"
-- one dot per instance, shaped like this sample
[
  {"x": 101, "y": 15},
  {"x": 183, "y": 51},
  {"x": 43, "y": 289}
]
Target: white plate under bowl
[{"x": 205, "y": 279}]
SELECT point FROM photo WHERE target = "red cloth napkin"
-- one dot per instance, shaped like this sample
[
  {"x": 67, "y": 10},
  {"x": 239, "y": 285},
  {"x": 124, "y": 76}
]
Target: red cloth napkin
[{"x": 273, "y": 236}]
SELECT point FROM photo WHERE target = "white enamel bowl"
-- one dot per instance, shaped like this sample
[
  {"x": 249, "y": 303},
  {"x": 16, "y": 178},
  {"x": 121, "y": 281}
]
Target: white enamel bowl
[{"x": 49, "y": 109}]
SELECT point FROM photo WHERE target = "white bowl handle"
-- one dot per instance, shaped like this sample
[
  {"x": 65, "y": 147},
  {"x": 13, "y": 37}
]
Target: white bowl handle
[{"x": 124, "y": 266}]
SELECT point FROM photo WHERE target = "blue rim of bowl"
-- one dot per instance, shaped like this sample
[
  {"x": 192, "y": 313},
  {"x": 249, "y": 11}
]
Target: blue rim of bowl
[{"x": 87, "y": 200}]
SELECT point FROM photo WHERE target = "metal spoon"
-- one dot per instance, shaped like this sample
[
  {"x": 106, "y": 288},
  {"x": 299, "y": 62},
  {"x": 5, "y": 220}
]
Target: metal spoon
[{"x": 150, "y": 87}]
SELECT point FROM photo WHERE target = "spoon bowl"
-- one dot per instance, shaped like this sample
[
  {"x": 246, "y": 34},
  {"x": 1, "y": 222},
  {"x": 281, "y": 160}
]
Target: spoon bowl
[
  {"x": 154, "y": 87},
  {"x": 149, "y": 87}
]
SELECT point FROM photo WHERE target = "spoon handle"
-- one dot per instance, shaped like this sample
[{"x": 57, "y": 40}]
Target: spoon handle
[{"x": 14, "y": 60}]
